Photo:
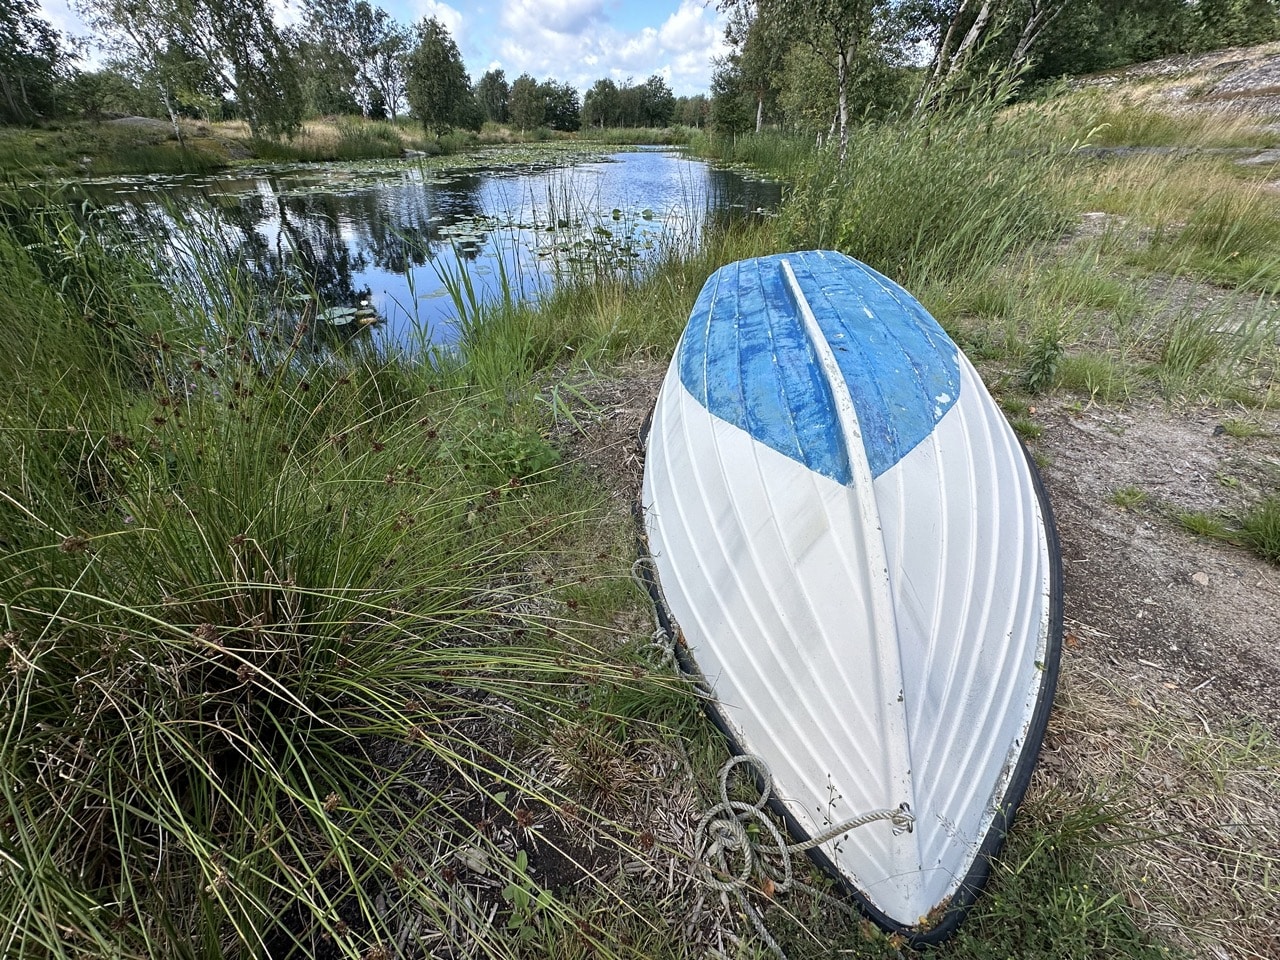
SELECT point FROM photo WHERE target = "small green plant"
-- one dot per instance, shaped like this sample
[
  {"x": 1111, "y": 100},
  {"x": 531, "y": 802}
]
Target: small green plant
[
  {"x": 527, "y": 902},
  {"x": 1026, "y": 428},
  {"x": 1099, "y": 376},
  {"x": 1241, "y": 429},
  {"x": 1045, "y": 353},
  {"x": 1129, "y": 498},
  {"x": 1204, "y": 525},
  {"x": 1190, "y": 349},
  {"x": 1015, "y": 406}
]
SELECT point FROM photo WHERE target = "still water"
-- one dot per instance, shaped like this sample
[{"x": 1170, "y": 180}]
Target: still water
[{"x": 374, "y": 244}]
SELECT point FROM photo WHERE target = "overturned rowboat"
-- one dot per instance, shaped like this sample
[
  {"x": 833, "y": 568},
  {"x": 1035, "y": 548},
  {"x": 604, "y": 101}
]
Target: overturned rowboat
[{"x": 860, "y": 562}]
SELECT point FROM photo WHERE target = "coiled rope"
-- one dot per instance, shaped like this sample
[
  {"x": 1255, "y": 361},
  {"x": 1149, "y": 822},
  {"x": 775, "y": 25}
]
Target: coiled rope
[
  {"x": 765, "y": 862},
  {"x": 724, "y": 832}
]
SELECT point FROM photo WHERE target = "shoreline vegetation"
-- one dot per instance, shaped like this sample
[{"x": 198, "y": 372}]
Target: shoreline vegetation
[
  {"x": 138, "y": 145},
  {"x": 338, "y": 654}
]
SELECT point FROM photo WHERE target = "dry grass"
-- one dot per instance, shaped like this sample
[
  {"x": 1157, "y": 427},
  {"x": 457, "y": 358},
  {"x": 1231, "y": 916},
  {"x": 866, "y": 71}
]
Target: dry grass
[
  {"x": 1195, "y": 844},
  {"x": 1146, "y": 115},
  {"x": 1154, "y": 188}
]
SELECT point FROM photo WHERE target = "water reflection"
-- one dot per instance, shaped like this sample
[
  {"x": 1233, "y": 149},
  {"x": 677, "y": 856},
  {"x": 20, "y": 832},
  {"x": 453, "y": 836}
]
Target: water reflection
[{"x": 384, "y": 236}]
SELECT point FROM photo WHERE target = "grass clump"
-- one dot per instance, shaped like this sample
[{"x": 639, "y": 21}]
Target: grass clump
[
  {"x": 271, "y": 645},
  {"x": 1099, "y": 376},
  {"x": 927, "y": 200},
  {"x": 1026, "y": 428},
  {"x": 1260, "y": 528},
  {"x": 1256, "y": 529},
  {"x": 1130, "y": 497},
  {"x": 1229, "y": 239},
  {"x": 1204, "y": 524},
  {"x": 1047, "y": 896},
  {"x": 777, "y": 153},
  {"x": 1240, "y": 429}
]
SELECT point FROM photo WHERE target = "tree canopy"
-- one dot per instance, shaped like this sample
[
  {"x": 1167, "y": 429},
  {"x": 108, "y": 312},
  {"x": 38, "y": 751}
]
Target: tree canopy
[
  {"x": 171, "y": 41},
  {"x": 437, "y": 85},
  {"x": 648, "y": 104},
  {"x": 31, "y": 60}
]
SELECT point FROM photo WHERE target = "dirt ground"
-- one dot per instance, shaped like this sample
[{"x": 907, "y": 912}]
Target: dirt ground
[{"x": 1143, "y": 596}]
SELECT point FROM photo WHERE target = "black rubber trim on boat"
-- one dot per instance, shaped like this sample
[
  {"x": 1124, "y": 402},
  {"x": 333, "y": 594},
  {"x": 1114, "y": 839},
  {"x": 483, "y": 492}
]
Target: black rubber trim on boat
[{"x": 971, "y": 886}]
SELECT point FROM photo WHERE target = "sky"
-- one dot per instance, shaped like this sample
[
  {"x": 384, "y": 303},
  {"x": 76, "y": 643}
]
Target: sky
[{"x": 574, "y": 41}]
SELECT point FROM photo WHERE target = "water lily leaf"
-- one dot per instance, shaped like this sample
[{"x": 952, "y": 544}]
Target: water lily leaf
[{"x": 338, "y": 315}]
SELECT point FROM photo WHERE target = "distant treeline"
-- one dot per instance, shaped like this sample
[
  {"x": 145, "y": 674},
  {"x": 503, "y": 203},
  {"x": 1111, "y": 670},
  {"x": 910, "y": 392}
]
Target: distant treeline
[{"x": 228, "y": 59}]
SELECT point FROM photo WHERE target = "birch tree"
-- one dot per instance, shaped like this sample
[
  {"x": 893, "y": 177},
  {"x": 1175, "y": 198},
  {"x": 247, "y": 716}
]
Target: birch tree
[
  {"x": 237, "y": 38},
  {"x": 836, "y": 30}
]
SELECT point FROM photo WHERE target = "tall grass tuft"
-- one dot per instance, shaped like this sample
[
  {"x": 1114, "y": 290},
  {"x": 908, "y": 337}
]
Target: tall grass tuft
[
  {"x": 929, "y": 199},
  {"x": 777, "y": 153},
  {"x": 268, "y": 645}
]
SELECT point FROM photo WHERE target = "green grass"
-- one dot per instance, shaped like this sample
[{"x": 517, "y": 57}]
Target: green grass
[
  {"x": 1260, "y": 528},
  {"x": 1240, "y": 429},
  {"x": 1121, "y": 119},
  {"x": 1204, "y": 524},
  {"x": 1256, "y": 529},
  {"x": 348, "y": 138},
  {"x": 1026, "y": 428},
  {"x": 1229, "y": 239},
  {"x": 280, "y": 635},
  {"x": 101, "y": 149},
  {"x": 268, "y": 628},
  {"x": 1049, "y": 898},
  {"x": 926, "y": 202},
  {"x": 1099, "y": 376},
  {"x": 770, "y": 151},
  {"x": 1130, "y": 498}
]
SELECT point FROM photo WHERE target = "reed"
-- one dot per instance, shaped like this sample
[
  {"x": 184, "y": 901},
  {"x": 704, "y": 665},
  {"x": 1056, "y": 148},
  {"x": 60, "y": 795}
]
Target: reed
[{"x": 927, "y": 200}]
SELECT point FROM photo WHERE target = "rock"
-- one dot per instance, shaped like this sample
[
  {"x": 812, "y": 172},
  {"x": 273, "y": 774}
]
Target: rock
[{"x": 1201, "y": 578}]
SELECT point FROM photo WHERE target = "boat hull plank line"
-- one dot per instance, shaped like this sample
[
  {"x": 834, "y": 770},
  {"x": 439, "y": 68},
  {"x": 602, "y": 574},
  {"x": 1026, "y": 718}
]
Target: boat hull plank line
[{"x": 863, "y": 567}]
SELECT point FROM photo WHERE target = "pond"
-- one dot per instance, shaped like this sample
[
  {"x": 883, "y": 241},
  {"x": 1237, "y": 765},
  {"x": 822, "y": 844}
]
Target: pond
[{"x": 378, "y": 244}]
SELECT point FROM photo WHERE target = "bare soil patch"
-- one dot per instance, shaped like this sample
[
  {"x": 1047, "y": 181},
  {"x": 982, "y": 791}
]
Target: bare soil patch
[{"x": 1144, "y": 594}]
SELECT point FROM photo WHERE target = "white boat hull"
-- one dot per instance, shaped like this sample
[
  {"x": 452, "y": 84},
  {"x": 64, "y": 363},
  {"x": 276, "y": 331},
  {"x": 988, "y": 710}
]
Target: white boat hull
[{"x": 878, "y": 638}]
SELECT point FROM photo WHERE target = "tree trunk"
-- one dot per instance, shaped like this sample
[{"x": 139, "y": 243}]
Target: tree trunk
[
  {"x": 759, "y": 112},
  {"x": 941, "y": 64},
  {"x": 842, "y": 81},
  {"x": 173, "y": 113},
  {"x": 1042, "y": 13},
  {"x": 972, "y": 37},
  {"x": 7, "y": 89}
]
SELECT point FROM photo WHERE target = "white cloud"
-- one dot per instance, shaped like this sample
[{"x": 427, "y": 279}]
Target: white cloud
[
  {"x": 573, "y": 41},
  {"x": 449, "y": 16},
  {"x": 553, "y": 16},
  {"x": 689, "y": 28}
]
